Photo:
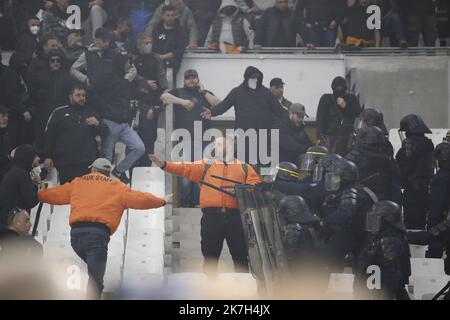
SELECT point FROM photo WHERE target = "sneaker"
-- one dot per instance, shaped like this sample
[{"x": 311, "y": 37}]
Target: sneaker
[{"x": 121, "y": 176}]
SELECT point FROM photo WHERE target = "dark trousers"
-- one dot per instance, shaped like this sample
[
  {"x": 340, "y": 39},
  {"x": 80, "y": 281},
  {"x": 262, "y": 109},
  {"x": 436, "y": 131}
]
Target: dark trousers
[
  {"x": 92, "y": 248},
  {"x": 336, "y": 144},
  {"x": 68, "y": 173},
  {"x": 425, "y": 25},
  {"x": 416, "y": 201},
  {"x": 320, "y": 37},
  {"x": 217, "y": 226},
  {"x": 392, "y": 26},
  {"x": 20, "y": 132}
]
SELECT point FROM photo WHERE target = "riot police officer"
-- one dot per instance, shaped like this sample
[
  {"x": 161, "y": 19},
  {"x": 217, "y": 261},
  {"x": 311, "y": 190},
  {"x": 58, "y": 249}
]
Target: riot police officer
[
  {"x": 310, "y": 161},
  {"x": 415, "y": 163},
  {"x": 303, "y": 242},
  {"x": 375, "y": 166},
  {"x": 312, "y": 192},
  {"x": 386, "y": 247},
  {"x": 440, "y": 201},
  {"x": 373, "y": 117},
  {"x": 344, "y": 211},
  {"x": 287, "y": 171}
]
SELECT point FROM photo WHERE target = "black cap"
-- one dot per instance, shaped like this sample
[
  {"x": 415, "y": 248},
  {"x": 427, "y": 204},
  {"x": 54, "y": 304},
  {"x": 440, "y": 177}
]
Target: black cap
[
  {"x": 103, "y": 33},
  {"x": 190, "y": 73},
  {"x": 276, "y": 82}
]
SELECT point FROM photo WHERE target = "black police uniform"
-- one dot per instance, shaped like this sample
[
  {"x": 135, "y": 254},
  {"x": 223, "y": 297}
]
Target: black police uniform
[
  {"x": 415, "y": 163},
  {"x": 387, "y": 247}
]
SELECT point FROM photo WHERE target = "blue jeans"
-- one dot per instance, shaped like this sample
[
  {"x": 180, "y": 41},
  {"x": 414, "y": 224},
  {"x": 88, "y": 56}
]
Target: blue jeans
[
  {"x": 122, "y": 132},
  {"x": 319, "y": 37},
  {"x": 92, "y": 248},
  {"x": 392, "y": 26}
]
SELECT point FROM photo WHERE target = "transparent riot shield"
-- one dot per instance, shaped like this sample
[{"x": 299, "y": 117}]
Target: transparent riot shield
[{"x": 262, "y": 228}]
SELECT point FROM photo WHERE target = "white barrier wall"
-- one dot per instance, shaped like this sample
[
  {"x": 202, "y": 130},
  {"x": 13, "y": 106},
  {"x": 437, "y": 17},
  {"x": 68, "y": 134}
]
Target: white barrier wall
[{"x": 306, "y": 78}]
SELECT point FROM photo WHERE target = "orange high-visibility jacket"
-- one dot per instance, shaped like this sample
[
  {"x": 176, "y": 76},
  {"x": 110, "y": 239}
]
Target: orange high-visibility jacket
[
  {"x": 98, "y": 198},
  {"x": 210, "y": 197}
]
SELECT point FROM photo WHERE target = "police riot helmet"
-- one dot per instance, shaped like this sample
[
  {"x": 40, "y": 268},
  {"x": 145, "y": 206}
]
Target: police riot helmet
[
  {"x": 370, "y": 117},
  {"x": 324, "y": 165},
  {"x": 413, "y": 123},
  {"x": 442, "y": 155},
  {"x": 312, "y": 157},
  {"x": 447, "y": 137},
  {"x": 384, "y": 212},
  {"x": 287, "y": 171},
  {"x": 370, "y": 136},
  {"x": 342, "y": 173},
  {"x": 295, "y": 210}
]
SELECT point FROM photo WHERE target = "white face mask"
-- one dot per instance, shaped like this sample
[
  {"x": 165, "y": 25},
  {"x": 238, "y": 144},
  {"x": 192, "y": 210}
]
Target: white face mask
[
  {"x": 35, "y": 29},
  {"x": 147, "y": 49},
  {"x": 252, "y": 83},
  {"x": 37, "y": 171}
]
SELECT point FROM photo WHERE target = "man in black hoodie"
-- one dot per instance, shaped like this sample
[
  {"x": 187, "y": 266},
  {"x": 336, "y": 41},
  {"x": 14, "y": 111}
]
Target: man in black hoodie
[
  {"x": 70, "y": 136},
  {"x": 255, "y": 107},
  {"x": 17, "y": 188},
  {"x": 336, "y": 116},
  {"x": 293, "y": 139},
  {"x": 5, "y": 146},
  {"x": 14, "y": 97},
  {"x": 49, "y": 89},
  {"x": 26, "y": 46}
]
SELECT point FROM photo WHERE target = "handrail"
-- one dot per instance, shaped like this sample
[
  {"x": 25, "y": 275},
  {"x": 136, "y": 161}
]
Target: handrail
[{"x": 412, "y": 51}]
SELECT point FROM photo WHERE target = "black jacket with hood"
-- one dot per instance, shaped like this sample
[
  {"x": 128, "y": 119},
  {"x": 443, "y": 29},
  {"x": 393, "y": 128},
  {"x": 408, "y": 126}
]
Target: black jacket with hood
[
  {"x": 254, "y": 109},
  {"x": 333, "y": 120},
  {"x": 17, "y": 189}
]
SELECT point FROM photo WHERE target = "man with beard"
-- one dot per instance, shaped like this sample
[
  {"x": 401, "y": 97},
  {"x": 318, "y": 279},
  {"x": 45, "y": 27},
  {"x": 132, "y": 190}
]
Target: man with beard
[
  {"x": 189, "y": 103},
  {"x": 70, "y": 136}
]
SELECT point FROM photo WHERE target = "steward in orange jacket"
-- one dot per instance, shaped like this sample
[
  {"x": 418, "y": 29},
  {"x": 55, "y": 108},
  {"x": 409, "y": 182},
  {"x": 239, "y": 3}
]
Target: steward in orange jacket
[
  {"x": 97, "y": 203},
  {"x": 98, "y": 198},
  {"x": 221, "y": 219},
  {"x": 209, "y": 197}
]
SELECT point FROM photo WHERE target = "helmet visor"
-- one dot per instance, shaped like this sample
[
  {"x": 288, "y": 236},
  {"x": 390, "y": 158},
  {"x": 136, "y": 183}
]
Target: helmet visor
[
  {"x": 373, "y": 222},
  {"x": 317, "y": 174},
  {"x": 359, "y": 123},
  {"x": 332, "y": 181}
]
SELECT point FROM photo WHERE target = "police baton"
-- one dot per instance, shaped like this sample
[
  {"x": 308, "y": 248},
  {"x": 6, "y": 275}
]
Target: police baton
[
  {"x": 217, "y": 188},
  {"x": 38, "y": 216}
]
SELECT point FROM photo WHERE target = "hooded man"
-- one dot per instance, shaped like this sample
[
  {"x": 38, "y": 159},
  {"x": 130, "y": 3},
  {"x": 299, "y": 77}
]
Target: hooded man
[
  {"x": 49, "y": 89},
  {"x": 26, "y": 47},
  {"x": 17, "y": 188},
  {"x": 230, "y": 27},
  {"x": 255, "y": 107},
  {"x": 336, "y": 116}
]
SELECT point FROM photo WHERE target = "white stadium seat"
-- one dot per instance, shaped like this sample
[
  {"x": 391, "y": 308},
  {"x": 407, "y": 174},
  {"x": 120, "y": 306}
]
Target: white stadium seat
[
  {"x": 147, "y": 174},
  {"x": 426, "y": 266},
  {"x": 150, "y": 245},
  {"x": 188, "y": 285},
  {"x": 340, "y": 285},
  {"x": 418, "y": 251},
  {"x": 146, "y": 219},
  {"x": 144, "y": 264},
  {"x": 241, "y": 285},
  {"x": 154, "y": 187},
  {"x": 429, "y": 285},
  {"x": 58, "y": 250}
]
